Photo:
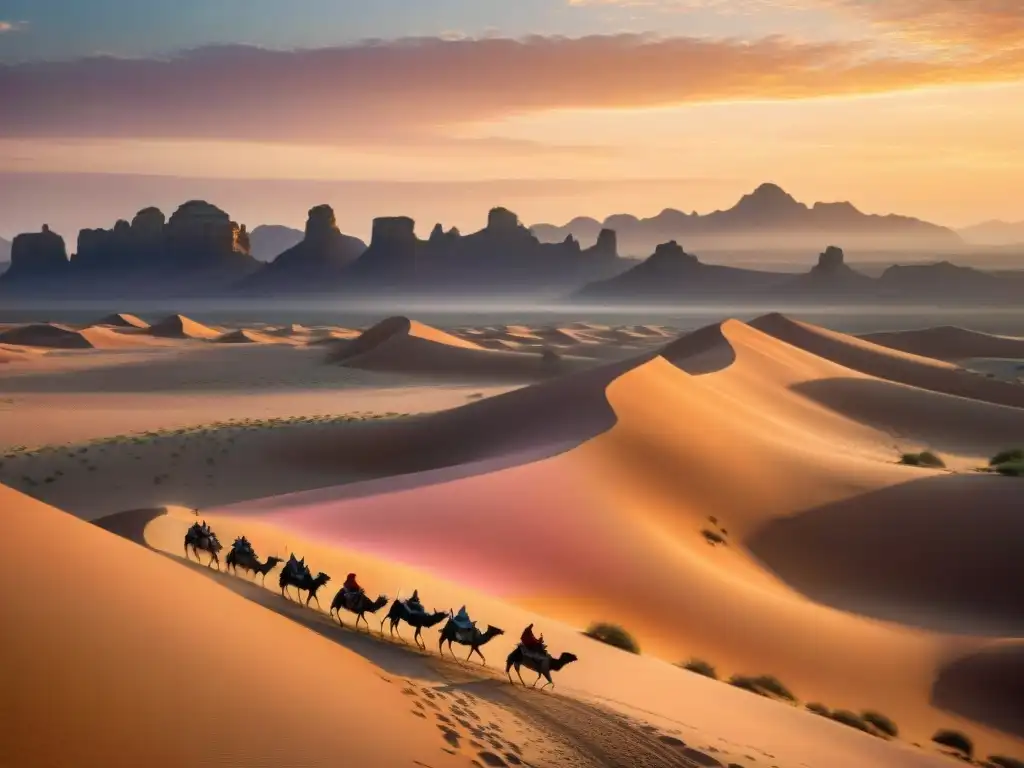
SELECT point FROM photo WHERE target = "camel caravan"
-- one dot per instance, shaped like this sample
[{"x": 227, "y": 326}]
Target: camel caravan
[{"x": 531, "y": 651}]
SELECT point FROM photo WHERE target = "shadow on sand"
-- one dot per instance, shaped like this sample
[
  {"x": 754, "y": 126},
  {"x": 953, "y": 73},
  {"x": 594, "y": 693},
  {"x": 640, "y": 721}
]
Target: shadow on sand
[{"x": 939, "y": 553}]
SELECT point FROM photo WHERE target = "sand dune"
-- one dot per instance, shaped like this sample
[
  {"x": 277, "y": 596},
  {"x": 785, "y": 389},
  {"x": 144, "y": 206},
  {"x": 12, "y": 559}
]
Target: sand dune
[
  {"x": 610, "y": 708},
  {"x": 402, "y": 345},
  {"x": 247, "y": 336},
  {"x": 741, "y": 439},
  {"x": 122, "y": 320},
  {"x": 50, "y": 335},
  {"x": 149, "y": 664},
  {"x": 56, "y": 336},
  {"x": 181, "y": 327},
  {"x": 892, "y": 365},
  {"x": 949, "y": 343}
]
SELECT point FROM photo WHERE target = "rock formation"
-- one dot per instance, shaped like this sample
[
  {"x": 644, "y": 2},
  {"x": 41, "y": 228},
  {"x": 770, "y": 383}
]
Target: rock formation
[
  {"x": 268, "y": 241},
  {"x": 37, "y": 255},
  {"x": 672, "y": 274},
  {"x": 318, "y": 263},
  {"x": 767, "y": 218},
  {"x": 607, "y": 244},
  {"x": 201, "y": 234}
]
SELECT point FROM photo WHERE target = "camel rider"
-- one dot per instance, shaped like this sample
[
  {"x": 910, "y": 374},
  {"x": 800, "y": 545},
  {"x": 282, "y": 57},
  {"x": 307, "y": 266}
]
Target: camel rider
[
  {"x": 533, "y": 645},
  {"x": 462, "y": 621},
  {"x": 414, "y": 604},
  {"x": 351, "y": 588}
]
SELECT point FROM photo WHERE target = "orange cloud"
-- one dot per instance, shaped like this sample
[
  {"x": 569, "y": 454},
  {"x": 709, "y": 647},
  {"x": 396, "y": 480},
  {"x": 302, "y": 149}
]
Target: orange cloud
[
  {"x": 380, "y": 92},
  {"x": 982, "y": 24}
]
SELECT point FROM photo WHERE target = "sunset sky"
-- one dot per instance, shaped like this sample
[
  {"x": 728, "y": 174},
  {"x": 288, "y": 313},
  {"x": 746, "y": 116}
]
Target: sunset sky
[{"x": 556, "y": 108}]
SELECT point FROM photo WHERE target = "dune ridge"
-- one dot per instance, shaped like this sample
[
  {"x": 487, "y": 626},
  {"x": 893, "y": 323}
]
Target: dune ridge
[
  {"x": 399, "y": 344},
  {"x": 742, "y": 441},
  {"x": 949, "y": 342},
  {"x": 181, "y": 327},
  {"x": 889, "y": 364},
  {"x": 123, "y": 320},
  {"x": 124, "y": 679}
]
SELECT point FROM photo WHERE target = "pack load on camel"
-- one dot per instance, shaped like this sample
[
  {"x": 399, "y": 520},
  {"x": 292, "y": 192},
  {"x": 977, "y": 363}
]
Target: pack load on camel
[
  {"x": 462, "y": 630},
  {"x": 242, "y": 555},
  {"x": 200, "y": 536}
]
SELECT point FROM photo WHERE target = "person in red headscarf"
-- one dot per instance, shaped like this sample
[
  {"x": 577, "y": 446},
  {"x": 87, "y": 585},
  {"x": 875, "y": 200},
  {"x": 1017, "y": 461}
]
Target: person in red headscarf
[{"x": 352, "y": 588}]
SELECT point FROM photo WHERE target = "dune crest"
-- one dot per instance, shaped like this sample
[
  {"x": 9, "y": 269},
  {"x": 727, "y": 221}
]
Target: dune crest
[
  {"x": 890, "y": 364},
  {"x": 181, "y": 327},
  {"x": 399, "y": 344},
  {"x": 129, "y": 676},
  {"x": 949, "y": 342},
  {"x": 122, "y": 320}
]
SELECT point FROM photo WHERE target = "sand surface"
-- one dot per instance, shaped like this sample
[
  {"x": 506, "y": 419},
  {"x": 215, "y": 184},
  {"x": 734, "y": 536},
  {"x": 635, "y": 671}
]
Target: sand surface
[{"x": 731, "y": 494}]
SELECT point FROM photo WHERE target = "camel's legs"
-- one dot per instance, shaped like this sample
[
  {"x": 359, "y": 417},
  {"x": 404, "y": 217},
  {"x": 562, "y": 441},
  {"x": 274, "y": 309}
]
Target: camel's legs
[
  {"x": 520, "y": 674},
  {"x": 470, "y": 654},
  {"x": 476, "y": 650},
  {"x": 537, "y": 680}
]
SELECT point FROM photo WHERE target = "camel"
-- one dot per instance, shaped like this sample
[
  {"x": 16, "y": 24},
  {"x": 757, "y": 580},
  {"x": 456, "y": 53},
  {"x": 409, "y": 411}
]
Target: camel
[
  {"x": 473, "y": 638},
  {"x": 399, "y": 611},
  {"x": 362, "y": 605},
  {"x": 200, "y": 537},
  {"x": 543, "y": 668},
  {"x": 251, "y": 564},
  {"x": 303, "y": 581}
]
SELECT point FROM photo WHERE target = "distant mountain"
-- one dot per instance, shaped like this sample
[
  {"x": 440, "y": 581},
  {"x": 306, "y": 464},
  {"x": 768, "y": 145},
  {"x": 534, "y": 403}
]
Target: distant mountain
[
  {"x": 5, "y": 250},
  {"x": 673, "y": 277},
  {"x": 767, "y": 218},
  {"x": 268, "y": 241},
  {"x": 994, "y": 233}
]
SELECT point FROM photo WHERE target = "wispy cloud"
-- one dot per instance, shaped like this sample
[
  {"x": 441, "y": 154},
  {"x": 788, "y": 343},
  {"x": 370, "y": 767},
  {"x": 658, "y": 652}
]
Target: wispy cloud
[
  {"x": 380, "y": 91},
  {"x": 11, "y": 26}
]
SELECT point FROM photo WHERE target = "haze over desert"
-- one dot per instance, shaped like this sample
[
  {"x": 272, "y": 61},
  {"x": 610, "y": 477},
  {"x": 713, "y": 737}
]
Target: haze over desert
[{"x": 557, "y": 384}]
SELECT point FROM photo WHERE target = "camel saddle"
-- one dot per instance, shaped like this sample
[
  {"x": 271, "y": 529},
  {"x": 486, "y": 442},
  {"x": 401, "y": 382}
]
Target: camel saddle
[{"x": 538, "y": 653}]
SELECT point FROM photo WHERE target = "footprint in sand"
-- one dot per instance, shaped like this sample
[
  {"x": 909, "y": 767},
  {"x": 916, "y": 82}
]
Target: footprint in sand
[
  {"x": 450, "y": 735},
  {"x": 489, "y": 758},
  {"x": 418, "y": 713},
  {"x": 672, "y": 741}
]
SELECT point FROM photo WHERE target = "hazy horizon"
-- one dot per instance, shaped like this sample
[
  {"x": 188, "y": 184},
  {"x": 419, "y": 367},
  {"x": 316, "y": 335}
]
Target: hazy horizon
[{"x": 560, "y": 108}]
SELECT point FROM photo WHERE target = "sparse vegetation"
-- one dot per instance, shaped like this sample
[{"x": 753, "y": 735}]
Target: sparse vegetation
[
  {"x": 763, "y": 685},
  {"x": 881, "y": 723},
  {"x": 819, "y": 709},
  {"x": 851, "y": 719},
  {"x": 1011, "y": 469},
  {"x": 613, "y": 634},
  {"x": 954, "y": 740},
  {"x": 700, "y": 667},
  {"x": 922, "y": 459},
  {"x": 1001, "y": 761},
  {"x": 1013, "y": 455},
  {"x": 713, "y": 537}
]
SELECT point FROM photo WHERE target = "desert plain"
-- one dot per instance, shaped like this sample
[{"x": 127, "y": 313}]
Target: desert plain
[{"x": 736, "y": 495}]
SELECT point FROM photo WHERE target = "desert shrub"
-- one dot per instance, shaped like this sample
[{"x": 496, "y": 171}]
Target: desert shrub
[
  {"x": 1011, "y": 469},
  {"x": 763, "y": 685},
  {"x": 954, "y": 740},
  {"x": 614, "y": 635},
  {"x": 712, "y": 537},
  {"x": 881, "y": 723},
  {"x": 922, "y": 459},
  {"x": 1013, "y": 455},
  {"x": 851, "y": 719},
  {"x": 1001, "y": 761},
  {"x": 700, "y": 667},
  {"x": 819, "y": 709}
]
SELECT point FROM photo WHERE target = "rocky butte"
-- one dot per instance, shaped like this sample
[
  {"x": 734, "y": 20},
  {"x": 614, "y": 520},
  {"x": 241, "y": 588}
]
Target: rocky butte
[
  {"x": 37, "y": 256},
  {"x": 504, "y": 257},
  {"x": 317, "y": 263}
]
